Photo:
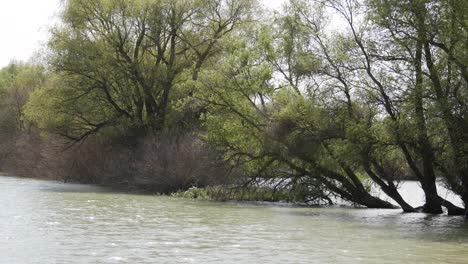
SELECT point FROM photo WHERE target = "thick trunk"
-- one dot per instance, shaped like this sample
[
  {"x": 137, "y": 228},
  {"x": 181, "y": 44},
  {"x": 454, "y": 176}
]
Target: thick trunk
[
  {"x": 395, "y": 195},
  {"x": 464, "y": 176},
  {"x": 428, "y": 181},
  {"x": 451, "y": 208},
  {"x": 389, "y": 189},
  {"x": 373, "y": 202},
  {"x": 465, "y": 199},
  {"x": 433, "y": 203}
]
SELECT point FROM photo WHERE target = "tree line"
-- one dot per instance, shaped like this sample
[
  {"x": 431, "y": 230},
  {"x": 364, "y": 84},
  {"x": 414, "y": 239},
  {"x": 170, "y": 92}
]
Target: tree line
[{"x": 330, "y": 97}]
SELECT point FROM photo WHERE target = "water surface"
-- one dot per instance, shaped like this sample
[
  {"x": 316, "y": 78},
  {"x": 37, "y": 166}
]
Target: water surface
[{"x": 49, "y": 222}]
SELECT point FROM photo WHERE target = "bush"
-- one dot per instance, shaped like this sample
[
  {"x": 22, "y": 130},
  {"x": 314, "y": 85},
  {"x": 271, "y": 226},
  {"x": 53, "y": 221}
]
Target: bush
[
  {"x": 165, "y": 163},
  {"x": 172, "y": 162}
]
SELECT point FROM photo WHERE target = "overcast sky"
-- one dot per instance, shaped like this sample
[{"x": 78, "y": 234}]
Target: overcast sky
[{"x": 24, "y": 25}]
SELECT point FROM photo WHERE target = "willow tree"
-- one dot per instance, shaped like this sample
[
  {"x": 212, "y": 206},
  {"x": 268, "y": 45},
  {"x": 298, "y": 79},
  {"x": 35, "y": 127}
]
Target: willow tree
[
  {"x": 431, "y": 37},
  {"x": 357, "y": 104},
  {"x": 265, "y": 121},
  {"x": 121, "y": 63},
  {"x": 17, "y": 82},
  {"x": 322, "y": 66}
]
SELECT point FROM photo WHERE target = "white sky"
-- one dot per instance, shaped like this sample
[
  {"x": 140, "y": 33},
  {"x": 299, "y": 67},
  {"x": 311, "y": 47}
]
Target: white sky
[{"x": 24, "y": 26}]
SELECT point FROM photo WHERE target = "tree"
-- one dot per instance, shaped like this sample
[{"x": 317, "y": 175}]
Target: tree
[
  {"x": 333, "y": 77},
  {"x": 352, "y": 103},
  {"x": 262, "y": 125},
  {"x": 425, "y": 33},
  {"x": 17, "y": 81},
  {"x": 122, "y": 64}
]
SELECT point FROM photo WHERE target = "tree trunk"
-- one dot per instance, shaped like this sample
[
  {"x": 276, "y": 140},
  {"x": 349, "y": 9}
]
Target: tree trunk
[
  {"x": 395, "y": 195},
  {"x": 428, "y": 181},
  {"x": 433, "y": 204},
  {"x": 373, "y": 202},
  {"x": 451, "y": 208},
  {"x": 465, "y": 199},
  {"x": 388, "y": 188},
  {"x": 466, "y": 211}
]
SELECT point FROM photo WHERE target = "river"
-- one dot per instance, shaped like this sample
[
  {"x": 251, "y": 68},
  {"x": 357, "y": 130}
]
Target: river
[{"x": 49, "y": 222}]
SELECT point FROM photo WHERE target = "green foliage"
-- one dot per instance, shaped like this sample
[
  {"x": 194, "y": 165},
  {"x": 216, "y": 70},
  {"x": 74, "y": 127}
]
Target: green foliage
[
  {"x": 222, "y": 193},
  {"x": 127, "y": 63},
  {"x": 379, "y": 99},
  {"x": 17, "y": 81}
]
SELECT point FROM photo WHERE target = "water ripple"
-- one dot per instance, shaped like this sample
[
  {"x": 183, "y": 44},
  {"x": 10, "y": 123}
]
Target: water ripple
[{"x": 42, "y": 222}]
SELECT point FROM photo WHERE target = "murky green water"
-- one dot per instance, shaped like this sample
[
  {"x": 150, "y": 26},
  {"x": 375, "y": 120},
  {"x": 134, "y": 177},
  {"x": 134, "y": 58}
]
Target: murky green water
[{"x": 44, "y": 222}]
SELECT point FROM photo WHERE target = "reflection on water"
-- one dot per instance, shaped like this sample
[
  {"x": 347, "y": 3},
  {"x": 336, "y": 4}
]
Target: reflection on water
[{"x": 44, "y": 222}]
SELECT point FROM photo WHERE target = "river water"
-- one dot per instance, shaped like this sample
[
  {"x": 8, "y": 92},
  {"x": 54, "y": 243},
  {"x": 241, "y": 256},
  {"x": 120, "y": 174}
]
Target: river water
[{"x": 49, "y": 222}]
